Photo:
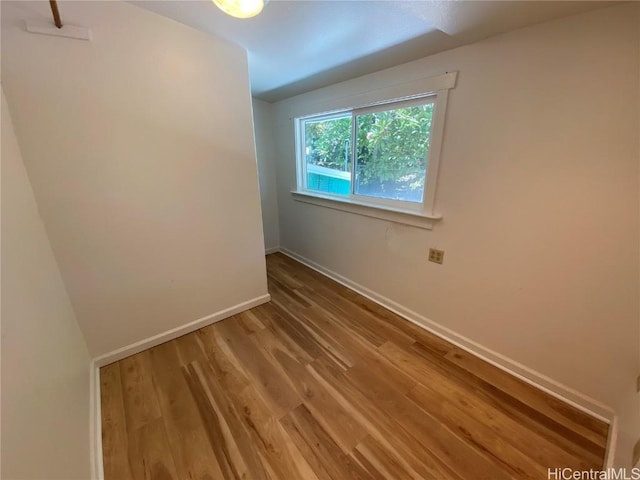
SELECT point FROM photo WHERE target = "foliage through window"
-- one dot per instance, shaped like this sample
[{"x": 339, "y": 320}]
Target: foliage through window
[
  {"x": 378, "y": 154},
  {"x": 392, "y": 152}
]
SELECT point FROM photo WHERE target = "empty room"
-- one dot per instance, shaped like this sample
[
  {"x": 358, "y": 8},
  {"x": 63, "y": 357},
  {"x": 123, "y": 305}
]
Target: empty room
[{"x": 320, "y": 240}]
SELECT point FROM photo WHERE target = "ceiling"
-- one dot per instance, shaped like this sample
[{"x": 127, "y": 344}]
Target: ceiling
[{"x": 296, "y": 46}]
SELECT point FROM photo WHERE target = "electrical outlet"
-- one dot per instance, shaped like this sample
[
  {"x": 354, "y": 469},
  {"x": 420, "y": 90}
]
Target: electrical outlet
[{"x": 436, "y": 256}]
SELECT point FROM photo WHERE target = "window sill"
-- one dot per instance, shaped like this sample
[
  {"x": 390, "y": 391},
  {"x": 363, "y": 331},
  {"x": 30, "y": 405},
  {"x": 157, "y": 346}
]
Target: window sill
[{"x": 407, "y": 217}]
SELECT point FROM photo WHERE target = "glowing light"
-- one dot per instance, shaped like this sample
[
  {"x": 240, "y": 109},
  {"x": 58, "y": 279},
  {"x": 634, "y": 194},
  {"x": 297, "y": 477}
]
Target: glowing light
[{"x": 241, "y": 8}]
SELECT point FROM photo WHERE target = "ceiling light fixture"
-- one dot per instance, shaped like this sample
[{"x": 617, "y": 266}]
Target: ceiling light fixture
[{"x": 241, "y": 8}]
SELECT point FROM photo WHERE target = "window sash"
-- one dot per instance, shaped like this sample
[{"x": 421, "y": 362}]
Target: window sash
[
  {"x": 302, "y": 142},
  {"x": 428, "y": 99}
]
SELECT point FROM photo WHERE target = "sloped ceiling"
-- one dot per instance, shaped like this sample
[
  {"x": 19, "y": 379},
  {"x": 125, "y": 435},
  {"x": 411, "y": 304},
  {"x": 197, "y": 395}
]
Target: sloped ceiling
[{"x": 299, "y": 45}]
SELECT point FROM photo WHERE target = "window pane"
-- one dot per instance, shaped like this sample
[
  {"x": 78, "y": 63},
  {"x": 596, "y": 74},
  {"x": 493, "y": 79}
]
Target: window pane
[
  {"x": 327, "y": 152},
  {"x": 392, "y": 150}
]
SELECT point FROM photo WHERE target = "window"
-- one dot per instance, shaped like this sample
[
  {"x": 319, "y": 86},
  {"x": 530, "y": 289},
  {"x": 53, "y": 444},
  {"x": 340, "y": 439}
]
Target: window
[
  {"x": 327, "y": 153},
  {"x": 379, "y": 159}
]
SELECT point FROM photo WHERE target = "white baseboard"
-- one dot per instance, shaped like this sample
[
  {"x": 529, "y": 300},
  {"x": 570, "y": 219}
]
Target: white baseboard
[
  {"x": 271, "y": 250},
  {"x": 95, "y": 423},
  {"x": 610, "y": 452},
  {"x": 532, "y": 377},
  {"x": 95, "y": 416},
  {"x": 163, "y": 337}
]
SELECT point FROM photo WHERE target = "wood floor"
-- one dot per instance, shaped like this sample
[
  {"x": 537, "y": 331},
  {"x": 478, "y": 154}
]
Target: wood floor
[{"x": 322, "y": 383}]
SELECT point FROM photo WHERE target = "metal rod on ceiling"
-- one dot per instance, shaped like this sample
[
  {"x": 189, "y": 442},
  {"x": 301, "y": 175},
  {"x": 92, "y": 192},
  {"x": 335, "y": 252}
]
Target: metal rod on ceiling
[{"x": 56, "y": 13}]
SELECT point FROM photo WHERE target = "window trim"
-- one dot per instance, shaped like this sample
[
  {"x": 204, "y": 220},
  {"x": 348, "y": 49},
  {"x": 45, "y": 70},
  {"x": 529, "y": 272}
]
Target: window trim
[
  {"x": 347, "y": 204},
  {"x": 421, "y": 215}
]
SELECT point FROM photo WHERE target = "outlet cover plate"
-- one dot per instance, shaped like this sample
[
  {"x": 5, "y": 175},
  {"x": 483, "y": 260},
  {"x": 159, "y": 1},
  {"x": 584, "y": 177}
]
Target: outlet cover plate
[{"x": 436, "y": 256}]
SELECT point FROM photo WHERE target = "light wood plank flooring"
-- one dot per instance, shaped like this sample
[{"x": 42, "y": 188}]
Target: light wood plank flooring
[{"x": 322, "y": 383}]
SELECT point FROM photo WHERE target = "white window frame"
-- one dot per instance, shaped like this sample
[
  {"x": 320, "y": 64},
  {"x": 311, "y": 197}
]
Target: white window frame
[{"x": 421, "y": 215}]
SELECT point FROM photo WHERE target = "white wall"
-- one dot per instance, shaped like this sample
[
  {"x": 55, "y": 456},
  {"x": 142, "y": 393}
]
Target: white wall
[
  {"x": 140, "y": 149},
  {"x": 538, "y": 190},
  {"x": 45, "y": 363},
  {"x": 265, "y": 152}
]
